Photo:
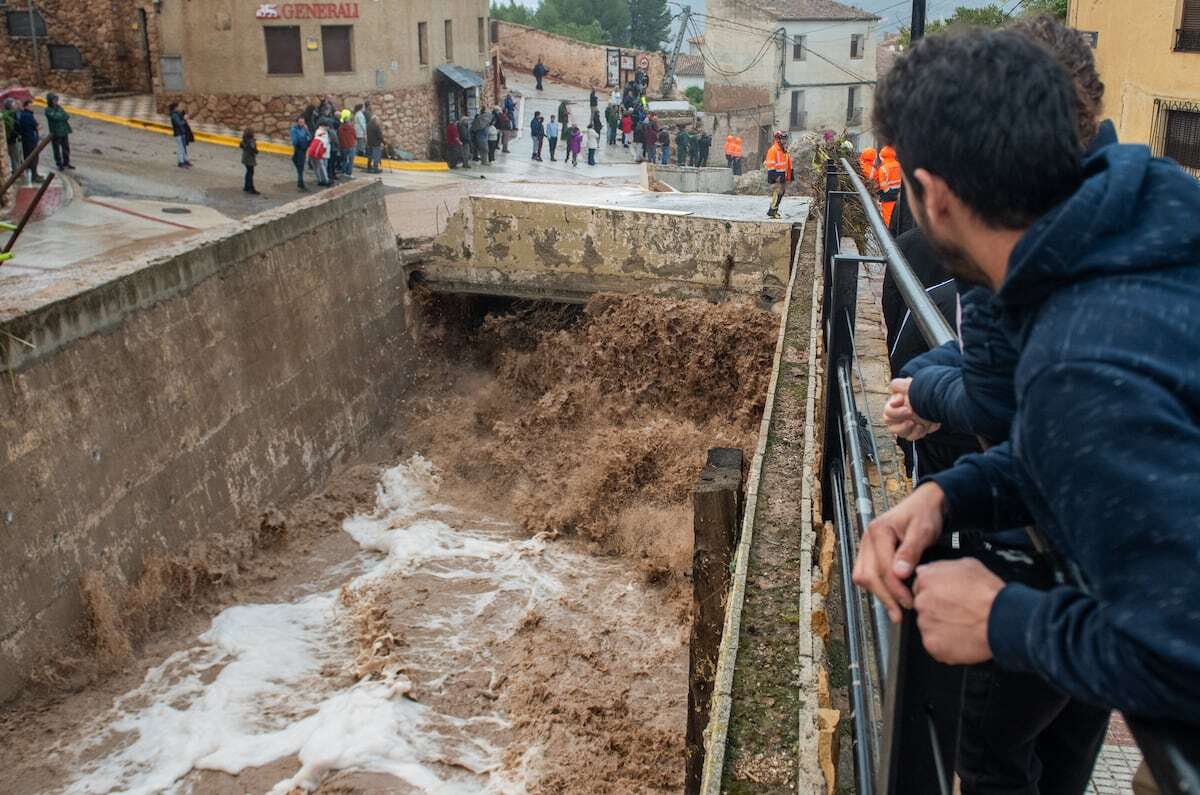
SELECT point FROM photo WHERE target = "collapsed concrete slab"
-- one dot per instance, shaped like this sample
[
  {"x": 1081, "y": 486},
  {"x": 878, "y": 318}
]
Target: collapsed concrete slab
[{"x": 675, "y": 245}]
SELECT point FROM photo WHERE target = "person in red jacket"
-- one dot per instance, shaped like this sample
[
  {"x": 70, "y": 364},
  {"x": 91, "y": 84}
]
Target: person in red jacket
[
  {"x": 454, "y": 147},
  {"x": 627, "y": 129},
  {"x": 347, "y": 142}
]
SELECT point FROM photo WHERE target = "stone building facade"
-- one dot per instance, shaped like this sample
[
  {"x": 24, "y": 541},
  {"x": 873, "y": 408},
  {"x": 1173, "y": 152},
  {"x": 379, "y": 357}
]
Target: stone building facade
[
  {"x": 243, "y": 63},
  {"x": 89, "y": 46}
]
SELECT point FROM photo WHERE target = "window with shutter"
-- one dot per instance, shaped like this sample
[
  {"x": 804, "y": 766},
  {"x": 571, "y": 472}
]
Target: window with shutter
[
  {"x": 799, "y": 119},
  {"x": 1182, "y": 140},
  {"x": 799, "y": 48},
  {"x": 283, "y": 50},
  {"x": 1187, "y": 37},
  {"x": 336, "y": 41}
]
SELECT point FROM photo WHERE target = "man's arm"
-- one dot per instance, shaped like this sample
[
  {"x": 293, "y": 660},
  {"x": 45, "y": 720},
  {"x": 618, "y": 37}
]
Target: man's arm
[
  {"x": 1119, "y": 472},
  {"x": 946, "y": 355},
  {"x": 984, "y": 491}
]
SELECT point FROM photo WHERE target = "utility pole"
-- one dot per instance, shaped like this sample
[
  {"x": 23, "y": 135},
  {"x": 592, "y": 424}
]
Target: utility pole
[
  {"x": 902, "y": 217},
  {"x": 669, "y": 78},
  {"x": 917, "y": 25},
  {"x": 37, "y": 58}
]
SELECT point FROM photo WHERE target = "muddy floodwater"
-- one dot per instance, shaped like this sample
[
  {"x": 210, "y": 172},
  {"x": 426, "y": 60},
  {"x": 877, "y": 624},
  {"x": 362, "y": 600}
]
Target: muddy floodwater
[
  {"x": 457, "y": 654},
  {"x": 502, "y": 606}
]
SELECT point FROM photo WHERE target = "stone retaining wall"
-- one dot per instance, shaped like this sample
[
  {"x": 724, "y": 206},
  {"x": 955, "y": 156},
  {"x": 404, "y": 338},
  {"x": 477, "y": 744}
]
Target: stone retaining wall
[
  {"x": 409, "y": 115},
  {"x": 569, "y": 60},
  {"x": 107, "y": 35},
  {"x": 175, "y": 397}
]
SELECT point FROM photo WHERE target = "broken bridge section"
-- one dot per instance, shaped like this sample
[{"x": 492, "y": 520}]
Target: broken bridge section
[{"x": 673, "y": 245}]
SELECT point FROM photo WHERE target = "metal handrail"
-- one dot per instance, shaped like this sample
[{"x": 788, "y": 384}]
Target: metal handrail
[
  {"x": 925, "y": 313},
  {"x": 1171, "y": 749}
]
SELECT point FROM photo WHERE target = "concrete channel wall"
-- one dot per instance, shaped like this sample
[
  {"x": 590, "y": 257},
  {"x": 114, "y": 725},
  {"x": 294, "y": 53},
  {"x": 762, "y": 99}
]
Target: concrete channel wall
[
  {"x": 170, "y": 401},
  {"x": 563, "y": 251},
  {"x": 690, "y": 180}
]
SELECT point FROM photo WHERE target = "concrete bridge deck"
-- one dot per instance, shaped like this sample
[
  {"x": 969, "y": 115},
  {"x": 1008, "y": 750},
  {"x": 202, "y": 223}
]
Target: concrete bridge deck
[{"x": 705, "y": 246}]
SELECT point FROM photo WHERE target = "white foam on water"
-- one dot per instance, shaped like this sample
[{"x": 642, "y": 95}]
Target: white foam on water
[{"x": 256, "y": 687}]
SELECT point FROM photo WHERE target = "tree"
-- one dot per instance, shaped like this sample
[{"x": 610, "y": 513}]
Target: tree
[
  {"x": 695, "y": 95},
  {"x": 595, "y": 21},
  {"x": 649, "y": 24},
  {"x": 990, "y": 16},
  {"x": 513, "y": 12},
  {"x": 1056, "y": 8},
  {"x": 568, "y": 17}
]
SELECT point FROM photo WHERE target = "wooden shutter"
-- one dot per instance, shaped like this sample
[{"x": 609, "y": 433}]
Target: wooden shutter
[
  {"x": 336, "y": 44},
  {"x": 283, "y": 50},
  {"x": 1191, "y": 15}
]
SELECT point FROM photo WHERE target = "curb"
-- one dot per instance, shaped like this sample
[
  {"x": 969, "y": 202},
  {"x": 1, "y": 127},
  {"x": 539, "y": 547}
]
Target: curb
[{"x": 267, "y": 146}]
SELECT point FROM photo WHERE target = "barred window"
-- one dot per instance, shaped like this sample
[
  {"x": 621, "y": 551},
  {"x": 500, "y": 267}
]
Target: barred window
[{"x": 1182, "y": 139}]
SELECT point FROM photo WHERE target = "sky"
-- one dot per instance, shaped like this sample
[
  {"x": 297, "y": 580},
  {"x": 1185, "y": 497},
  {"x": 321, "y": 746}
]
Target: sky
[{"x": 894, "y": 12}]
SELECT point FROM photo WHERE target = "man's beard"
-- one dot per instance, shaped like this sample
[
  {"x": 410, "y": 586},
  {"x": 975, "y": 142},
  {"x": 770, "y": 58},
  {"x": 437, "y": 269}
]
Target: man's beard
[{"x": 951, "y": 255}]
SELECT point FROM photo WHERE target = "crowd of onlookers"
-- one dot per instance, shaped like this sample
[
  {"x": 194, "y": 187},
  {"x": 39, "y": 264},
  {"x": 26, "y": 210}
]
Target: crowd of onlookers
[
  {"x": 23, "y": 133},
  {"x": 325, "y": 142}
]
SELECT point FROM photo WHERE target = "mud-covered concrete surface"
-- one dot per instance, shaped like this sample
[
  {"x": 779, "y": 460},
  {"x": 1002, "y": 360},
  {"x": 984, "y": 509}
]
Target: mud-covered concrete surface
[{"x": 763, "y": 736}]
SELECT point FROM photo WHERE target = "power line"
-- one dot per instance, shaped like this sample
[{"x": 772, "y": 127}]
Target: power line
[{"x": 782, "y": 35}]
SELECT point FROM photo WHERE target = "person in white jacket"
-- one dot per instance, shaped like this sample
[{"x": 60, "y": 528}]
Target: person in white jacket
[
  {"x": 593, "y": 143},
  {"x": 360, "y": 128},
  {"x": 318, "y": 155}
]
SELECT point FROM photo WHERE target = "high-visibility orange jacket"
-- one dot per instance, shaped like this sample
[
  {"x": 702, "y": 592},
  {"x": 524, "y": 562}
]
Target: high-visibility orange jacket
[
  {"x": 889, "y": 178},
  {"x": 729, "y": 145},
  {"x": 867, "y": 161},
  {"x": 778, "y": 163},
  {"x": 737, "y": 147}
]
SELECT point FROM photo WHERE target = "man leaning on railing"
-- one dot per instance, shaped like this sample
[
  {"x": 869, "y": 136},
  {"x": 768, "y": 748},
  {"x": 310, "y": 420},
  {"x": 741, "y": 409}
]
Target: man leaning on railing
[{"x": 1097, "y": 268}]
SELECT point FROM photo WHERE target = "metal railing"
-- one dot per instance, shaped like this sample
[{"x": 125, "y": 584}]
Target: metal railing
[
  {"x": 898, "y": 747},
  {"x": 1187, "y": 40}
]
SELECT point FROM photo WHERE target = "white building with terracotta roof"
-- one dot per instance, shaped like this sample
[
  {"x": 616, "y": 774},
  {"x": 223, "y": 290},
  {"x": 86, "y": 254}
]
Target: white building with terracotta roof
[{"x": 793, "y": 65}]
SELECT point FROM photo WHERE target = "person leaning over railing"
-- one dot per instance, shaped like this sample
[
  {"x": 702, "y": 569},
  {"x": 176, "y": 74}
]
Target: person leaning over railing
[
  {"x": 1034, "y": 739},
  {"x": 1097, "y": 266}
]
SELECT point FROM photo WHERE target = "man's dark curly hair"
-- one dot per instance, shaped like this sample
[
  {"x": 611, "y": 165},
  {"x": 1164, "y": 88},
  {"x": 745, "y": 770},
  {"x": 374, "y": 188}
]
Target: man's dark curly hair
[
  {"x": 1072, "y": 50},
  {"x": 990, "y": 112}
]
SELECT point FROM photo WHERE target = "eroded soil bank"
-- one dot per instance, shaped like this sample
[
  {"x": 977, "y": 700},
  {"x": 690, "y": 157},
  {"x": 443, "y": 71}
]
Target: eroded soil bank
[{"x": 502, "y": 606}]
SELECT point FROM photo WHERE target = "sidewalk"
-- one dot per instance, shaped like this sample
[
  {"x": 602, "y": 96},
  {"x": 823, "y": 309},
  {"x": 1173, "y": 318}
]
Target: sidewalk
[{"x": 139, "y": 112}]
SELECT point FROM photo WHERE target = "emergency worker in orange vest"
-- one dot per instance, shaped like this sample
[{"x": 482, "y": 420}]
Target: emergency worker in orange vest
[
  {"x": 867, "y": 161},
  {"x": 737, "y": 156},
  {"x": 778, "y": 166},
  {"x": 888, "y": 178},
  {"x": 729, "y": 151}
]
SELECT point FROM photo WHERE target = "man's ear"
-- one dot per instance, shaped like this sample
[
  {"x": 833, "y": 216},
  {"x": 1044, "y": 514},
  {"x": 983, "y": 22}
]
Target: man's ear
[{"x": 933, "y": 194}]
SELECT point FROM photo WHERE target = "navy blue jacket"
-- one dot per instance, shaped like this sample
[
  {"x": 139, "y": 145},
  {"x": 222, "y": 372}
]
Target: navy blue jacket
[
  {"x": 969, "y": 389},
  {"x": 27, "y": 128},
  {"x": 1102, "y": 299}
]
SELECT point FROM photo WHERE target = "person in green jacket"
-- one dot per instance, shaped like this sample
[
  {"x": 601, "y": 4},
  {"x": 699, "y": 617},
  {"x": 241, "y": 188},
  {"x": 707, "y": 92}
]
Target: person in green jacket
[
  {"x": 682, "y": 145},
  {"x": 562, "y": 119},
  {"x": 12, "y": 139},
  {"x": 58, "y": 122}
]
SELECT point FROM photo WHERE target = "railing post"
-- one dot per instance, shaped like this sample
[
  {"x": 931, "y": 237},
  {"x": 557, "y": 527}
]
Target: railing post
[{"x": 717, "y": 505}]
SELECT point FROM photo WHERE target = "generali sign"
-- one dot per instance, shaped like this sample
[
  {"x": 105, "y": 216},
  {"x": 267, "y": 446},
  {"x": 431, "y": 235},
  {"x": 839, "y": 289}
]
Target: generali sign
[{"x": 307, "y": 11}]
